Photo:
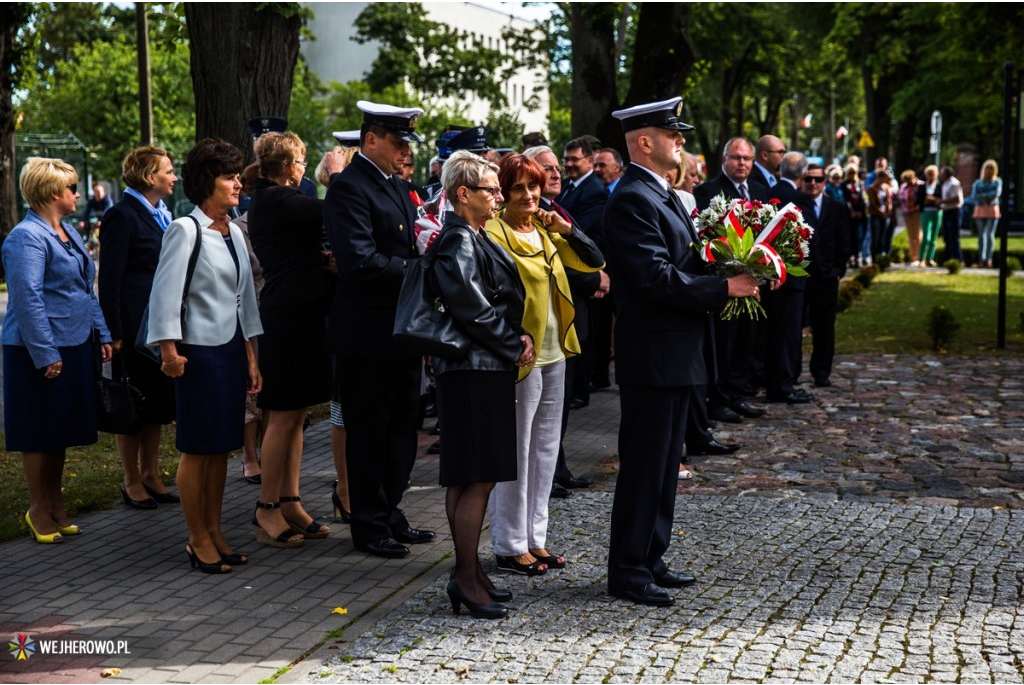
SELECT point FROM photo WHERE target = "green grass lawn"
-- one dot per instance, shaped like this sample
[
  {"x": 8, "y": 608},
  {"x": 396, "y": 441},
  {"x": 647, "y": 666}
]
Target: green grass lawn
[{"x": 891, "y": 317}]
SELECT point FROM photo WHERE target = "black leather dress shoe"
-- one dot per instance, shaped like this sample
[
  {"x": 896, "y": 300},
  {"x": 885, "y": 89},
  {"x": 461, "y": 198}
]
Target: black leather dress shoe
[
  {"x": 744, "y": 408},
  {"x": 559, "y": 491},
  {"x": 822, "y": 382},
  {"x": 711, "y": 447},
  {"x": 651, "y": 594},
  {"x": 573, "y": 483},
  {"x": 414, "y": 536},
  {"x": 794, "y": 397},
  {"x": 578, "y": 403},
  {"x": 389, "y": 548},
  {"x": 720, "y": 413},
  {"x": 674, "y": 579}
]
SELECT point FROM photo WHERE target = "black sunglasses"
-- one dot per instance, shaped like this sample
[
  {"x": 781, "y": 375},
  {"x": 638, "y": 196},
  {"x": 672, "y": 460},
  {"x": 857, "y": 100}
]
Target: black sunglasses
[
  {"x": 814, "y": 179},
  {"x": 73, "y": 187}
]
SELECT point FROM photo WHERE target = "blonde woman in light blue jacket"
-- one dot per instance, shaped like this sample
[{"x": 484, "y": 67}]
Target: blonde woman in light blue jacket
[{"x": 211, "y": 357}]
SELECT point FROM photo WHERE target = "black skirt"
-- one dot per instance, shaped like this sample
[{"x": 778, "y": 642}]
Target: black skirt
[
  {"x": 210, "y": 397},
  {"x": 294, "y": 362},
  {"x": 477, "y": 411},
  {"x": 49, "y": 414}
]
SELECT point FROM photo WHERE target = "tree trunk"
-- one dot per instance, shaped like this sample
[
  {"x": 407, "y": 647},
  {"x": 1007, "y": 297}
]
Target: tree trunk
[
  {"x": 243, "y": 59},
  {"x": 663, "y": 54},
  {"x": 592, "y": 31},
  {"x": 12, "y": 17}
]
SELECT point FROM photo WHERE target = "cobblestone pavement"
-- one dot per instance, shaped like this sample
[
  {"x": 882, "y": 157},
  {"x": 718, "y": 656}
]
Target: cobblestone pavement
[{"x": 874, "y": 534}]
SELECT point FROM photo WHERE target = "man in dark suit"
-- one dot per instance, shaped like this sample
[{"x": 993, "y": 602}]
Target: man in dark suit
[
  {"x": 829, "y": 248},
  {"x": 584, "y": 196},
  {"x": 783, "y": 328},
  {"x": 369, "y": 217},
  {"x": 734, "y": 339},
  {"x": 663, "y": 297},
  {"x": 767, "y": 158}
]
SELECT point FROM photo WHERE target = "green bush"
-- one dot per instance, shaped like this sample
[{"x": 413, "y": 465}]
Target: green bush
[
  {"x": 866, "y": 275},
  {"x": 952, "y": 266},
  {"x": 1012, "y": 264},
  {"x": 941, "y": 326},
  {"x": 851, "y": 289},
  {"x": 900, "y": 255}
]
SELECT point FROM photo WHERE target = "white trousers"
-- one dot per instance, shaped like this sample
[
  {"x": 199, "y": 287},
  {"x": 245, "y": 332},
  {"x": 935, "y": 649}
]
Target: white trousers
[{"x": 519, "y": 508}]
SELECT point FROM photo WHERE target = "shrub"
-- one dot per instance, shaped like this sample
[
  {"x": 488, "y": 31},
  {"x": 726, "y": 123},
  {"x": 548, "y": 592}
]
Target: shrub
[
  {"x": 1012, "y": 264},
  {"x": 883, "y": 262},
  {"x": 850, "y": 289},
  {"x": 952, "y": 266},
  {"x": 866, "y": 275},
  {"x": 941, "y": 326},
  {"x": 900, "y": 255}
]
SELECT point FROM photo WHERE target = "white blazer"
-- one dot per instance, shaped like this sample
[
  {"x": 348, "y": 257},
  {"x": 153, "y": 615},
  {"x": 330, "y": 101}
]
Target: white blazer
[{"x": 219, "y": 294}]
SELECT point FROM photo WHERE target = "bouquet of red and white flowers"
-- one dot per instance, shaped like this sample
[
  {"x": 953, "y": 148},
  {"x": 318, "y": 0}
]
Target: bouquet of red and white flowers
[{"x": 755, "y": 238}]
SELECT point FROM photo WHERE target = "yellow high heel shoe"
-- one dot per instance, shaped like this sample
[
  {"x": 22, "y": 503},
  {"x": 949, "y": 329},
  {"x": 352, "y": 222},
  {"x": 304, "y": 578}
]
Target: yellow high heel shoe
[
  {"x": 47, "y": 539},
  {"x": 70, "y": 529}
]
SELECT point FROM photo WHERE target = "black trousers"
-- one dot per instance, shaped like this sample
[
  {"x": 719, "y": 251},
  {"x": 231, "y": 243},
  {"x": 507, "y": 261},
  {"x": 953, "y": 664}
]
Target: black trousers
[
  {"x": 651, "y": 438},
  {"x": 821, "y": 296},
  {"x": 571, "y": 365},
  {"x": 951, "y": 234},
  {"x": 783, "y": 357},
  {"x": 380, "y": 401}
]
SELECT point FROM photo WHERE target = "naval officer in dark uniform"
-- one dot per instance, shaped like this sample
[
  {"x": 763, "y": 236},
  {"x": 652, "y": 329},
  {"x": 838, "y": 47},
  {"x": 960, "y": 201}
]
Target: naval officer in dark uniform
[
  {"x": 663, "y": 299},
  {"x": 369, "y": 217}
]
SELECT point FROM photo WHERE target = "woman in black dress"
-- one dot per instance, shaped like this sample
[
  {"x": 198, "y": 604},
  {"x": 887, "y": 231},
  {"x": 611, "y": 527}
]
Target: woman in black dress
[
  {"x": 286, "y": 229},
  {"x": 133, "y": 230},
  {"x": 209, "y": 353},
  {"x": 482, "y": 290}
]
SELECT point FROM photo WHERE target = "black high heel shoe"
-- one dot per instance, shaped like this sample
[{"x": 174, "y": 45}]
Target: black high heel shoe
[
  {"x": 149, "y": 503},
  {"x": 314, "y": 531},
  {"x": 255, "y": 480},
  {"x": 497, "y": 594},
  {"x": 339, "y": 511},
  {"x": 219, "y": 566},
  {"x": 162, "y": 497},
  {"x": 458, "y": 598}
]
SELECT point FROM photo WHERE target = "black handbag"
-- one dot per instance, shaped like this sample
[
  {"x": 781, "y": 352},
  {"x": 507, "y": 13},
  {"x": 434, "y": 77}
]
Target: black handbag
[
  {"x": 153, "y": 351},
  {"x": 423, "y": 324},
  {"x": 117, "y": 403}
]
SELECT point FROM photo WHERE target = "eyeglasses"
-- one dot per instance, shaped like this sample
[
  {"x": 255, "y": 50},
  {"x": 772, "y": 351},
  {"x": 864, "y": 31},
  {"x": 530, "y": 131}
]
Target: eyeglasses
[
  {"x": 552, "y": 169},
  {"x": 301, "y": 162},
  {"x": 814, "y": 179},
  {"x": 778, "y": 152},
  {"x": 741, "y": 158},
  {"x": 567, "y": 158},
  {"x": 494, "y": 191},
  {"x": 73, "y": 187}
]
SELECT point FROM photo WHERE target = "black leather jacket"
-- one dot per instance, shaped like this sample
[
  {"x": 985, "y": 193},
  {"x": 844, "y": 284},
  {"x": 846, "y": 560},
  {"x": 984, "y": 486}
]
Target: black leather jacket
[{"x": 480, "y": 286}]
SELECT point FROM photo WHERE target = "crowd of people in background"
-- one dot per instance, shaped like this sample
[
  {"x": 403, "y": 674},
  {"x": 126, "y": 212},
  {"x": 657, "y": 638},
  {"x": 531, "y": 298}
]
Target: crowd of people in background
[{"x": 266, "y": 300}]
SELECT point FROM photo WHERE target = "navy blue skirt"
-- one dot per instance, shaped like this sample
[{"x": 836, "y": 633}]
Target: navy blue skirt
[
  {"x": 49, "y": 415},
  {"x": 210, "y": 397}
]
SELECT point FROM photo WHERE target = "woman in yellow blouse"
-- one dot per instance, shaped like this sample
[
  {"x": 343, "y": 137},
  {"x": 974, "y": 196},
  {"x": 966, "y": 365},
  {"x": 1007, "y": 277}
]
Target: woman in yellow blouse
[{"x": 541, "y": 243}]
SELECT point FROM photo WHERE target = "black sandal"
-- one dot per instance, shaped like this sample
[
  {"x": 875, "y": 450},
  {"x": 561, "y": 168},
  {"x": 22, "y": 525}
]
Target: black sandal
[
  {"x": 314, "y": 531},
  {"x": 284, "y": 539},
  {"x": 551, "y": 561},
  {"x": 537, "y": 568}
]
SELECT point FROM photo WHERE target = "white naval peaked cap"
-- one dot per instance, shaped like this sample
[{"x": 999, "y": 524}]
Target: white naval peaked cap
[
  {"x": 664, "y": 114},
  {"x": 401, "y": 121},
  {"x": 347, "y": 138}
]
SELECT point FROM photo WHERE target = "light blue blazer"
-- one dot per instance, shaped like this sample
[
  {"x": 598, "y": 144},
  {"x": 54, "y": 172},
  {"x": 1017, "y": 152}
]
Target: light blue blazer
[
  {"x": 51, "y": 302},
  {"x": 219, "y": 295}
]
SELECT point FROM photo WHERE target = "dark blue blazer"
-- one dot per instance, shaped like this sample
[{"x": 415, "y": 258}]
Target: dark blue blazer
[
  {"x": 830, "y": 243},
  {"x": 586, "y": 205},
  {"x": 370, "y": 226},
  {"x": 662, "y": 290},
  {"x": 722, "y": 185},
  {"x": 130, "y": 247}
]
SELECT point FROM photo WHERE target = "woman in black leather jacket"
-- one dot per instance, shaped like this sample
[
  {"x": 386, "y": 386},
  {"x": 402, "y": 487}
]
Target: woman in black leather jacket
[{"x": 476, "y": 398}]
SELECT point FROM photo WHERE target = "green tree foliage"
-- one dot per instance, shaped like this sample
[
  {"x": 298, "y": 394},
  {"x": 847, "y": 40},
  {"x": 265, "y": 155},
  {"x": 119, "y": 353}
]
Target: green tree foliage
[{"x": 94, "y": 94}]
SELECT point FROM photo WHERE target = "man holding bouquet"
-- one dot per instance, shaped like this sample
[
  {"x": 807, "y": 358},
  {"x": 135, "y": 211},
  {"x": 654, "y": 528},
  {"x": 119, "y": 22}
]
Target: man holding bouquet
[{"x": 664, "y": 301}]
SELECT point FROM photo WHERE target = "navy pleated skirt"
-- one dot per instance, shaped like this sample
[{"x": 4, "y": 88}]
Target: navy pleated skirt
[
  {"x": 210, "y": 397},
  {"x": 49, "y": 414}
]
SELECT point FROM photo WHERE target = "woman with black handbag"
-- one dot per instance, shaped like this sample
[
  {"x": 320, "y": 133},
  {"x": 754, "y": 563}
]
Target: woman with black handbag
[
  {"x": 133, "y": 230},
  {"x": 48, "y": 350},
  {"x": 483, "y": 294}
]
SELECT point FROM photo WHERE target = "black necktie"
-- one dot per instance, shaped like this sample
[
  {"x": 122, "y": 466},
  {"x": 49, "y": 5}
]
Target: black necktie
[{"x": 743, "y": 191}]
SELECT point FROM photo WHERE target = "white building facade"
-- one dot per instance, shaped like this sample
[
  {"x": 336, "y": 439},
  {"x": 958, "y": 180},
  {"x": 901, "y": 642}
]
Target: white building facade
[{"x": 334, "y": 56}]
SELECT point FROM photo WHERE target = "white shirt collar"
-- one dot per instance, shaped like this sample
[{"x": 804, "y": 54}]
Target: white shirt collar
[
  {"x": 581, "y": 179},
  {"x": 661, "y": 180}
]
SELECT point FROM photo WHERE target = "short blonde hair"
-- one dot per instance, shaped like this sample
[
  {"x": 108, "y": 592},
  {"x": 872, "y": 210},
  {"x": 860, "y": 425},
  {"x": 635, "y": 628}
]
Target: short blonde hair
[
  {"x": 931, "y": 169},
  {"x": 321, "y": 175},
  {"x": 42, "y": 178},
  {"x": 142, "y": 163},
  {"x": 990, "y": 164},
  {"x": 275, "y": 152}
]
